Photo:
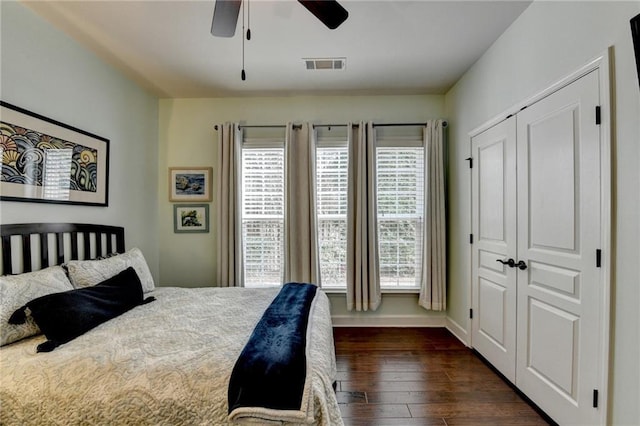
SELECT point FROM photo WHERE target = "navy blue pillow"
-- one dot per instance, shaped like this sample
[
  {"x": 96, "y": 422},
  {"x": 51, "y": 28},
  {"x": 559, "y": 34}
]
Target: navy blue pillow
[{"x": 64, "y": 316}]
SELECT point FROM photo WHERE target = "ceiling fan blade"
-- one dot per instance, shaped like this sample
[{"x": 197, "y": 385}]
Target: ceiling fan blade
[
  {"x": 329, "y": 12},
  {"x": 225, "y": 18}
]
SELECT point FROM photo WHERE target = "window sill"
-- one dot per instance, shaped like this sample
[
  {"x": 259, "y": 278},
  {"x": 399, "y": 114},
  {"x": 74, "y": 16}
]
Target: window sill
[
  {"x": 384, "y": 290},
  {"x": 400, "y": 290}
]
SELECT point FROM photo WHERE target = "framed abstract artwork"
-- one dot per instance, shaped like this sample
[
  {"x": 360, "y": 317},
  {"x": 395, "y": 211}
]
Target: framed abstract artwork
[
  {"x": 46, "y": 161},
  {"x": 190, "y": 183},
  {"x": 635, "y": 36},
  {"x": 190, "y": 218}
]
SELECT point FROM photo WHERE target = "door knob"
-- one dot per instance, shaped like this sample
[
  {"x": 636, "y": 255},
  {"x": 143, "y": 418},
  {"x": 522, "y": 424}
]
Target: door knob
[
  {"x": 510, "y": 263},
  {"x": 521, "y": 265}
]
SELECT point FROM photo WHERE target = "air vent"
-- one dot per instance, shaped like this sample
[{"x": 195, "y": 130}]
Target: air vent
[{"x": 325, "y": 63}]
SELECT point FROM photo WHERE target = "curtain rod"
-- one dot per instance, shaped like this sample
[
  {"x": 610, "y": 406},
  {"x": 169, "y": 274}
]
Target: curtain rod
[
  {"x": 264, "y": 126},
  {"x": 335, "y": 125},
  {"x": 444, "y": 124},
  {"x": 299, "y": 126}
]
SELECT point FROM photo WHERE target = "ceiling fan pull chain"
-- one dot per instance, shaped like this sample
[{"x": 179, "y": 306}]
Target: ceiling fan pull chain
[
  {"x": 243, "y": 74},
  {"x": 248, "y": 19}
]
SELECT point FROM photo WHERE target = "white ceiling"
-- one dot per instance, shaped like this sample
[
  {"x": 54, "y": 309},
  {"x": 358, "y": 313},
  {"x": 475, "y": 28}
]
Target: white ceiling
[{"x": 392, "y": 47}]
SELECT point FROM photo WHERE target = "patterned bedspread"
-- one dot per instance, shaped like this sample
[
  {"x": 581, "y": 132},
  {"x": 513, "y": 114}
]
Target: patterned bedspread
[{"x": 167, "y": 362}]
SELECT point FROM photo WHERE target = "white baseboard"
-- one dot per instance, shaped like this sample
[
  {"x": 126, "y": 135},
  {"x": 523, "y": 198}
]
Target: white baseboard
[
  {"x": 403, "y": 321},
  {"x": 389, "y": 321},
  {"x": 458, "y": 331}
]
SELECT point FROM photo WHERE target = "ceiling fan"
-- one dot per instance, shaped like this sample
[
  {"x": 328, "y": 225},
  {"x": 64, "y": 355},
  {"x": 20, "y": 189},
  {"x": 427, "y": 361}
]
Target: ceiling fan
[{"x": 225, "y": 15}]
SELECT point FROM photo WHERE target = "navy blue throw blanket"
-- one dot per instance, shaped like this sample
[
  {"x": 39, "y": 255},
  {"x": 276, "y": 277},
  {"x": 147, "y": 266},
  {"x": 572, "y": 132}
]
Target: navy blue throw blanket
[{"x": 270, "y": 372}]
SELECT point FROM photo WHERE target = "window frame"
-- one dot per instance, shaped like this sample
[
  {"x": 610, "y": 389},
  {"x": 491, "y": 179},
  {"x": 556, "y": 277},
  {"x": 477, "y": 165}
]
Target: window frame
[
  {"x": 400, "y": 142},
  {"x": 332, "y": 143},
  {"x": 258, "y": 144},
  {"x": 322, "y": 143}
]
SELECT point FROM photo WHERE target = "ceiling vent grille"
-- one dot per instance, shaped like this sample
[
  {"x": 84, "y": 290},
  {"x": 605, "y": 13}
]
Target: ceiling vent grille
[{"x": 325, "y": 63}]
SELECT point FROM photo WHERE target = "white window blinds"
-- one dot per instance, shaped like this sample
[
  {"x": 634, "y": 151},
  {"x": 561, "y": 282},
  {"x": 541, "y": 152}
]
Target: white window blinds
[
  {"x": 400, "y": 198},
  {"x": 331, "y": 181},
  {"x": 263, "y": 215},
  {"x": 400, "y": 185}
]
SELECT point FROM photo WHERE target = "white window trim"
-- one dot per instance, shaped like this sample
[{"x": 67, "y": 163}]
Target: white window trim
[
  {"x": 402, "y": 142},
  {"x": 334, "y": 142},
  {"x": 389, "y": 142},
  {"x": 262, "y": 143},
  {"x": 342, "y": 142},
  {"x": 248, "y": 144}
]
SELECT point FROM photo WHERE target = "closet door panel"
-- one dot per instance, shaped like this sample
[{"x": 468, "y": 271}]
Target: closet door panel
[
  {"x": 494, "y": 228},
  {"x": 557, "y": 329},
  {"x": 558, "y": 147},
  {"x": 552, "y": 157}
]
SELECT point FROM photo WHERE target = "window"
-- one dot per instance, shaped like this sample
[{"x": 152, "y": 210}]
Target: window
[
  {"x": 400, "y": 197},
  {"x": 331, "y": 198},
  {"x": 262, "y": 215},
  {"x": 400, "y": 185}
]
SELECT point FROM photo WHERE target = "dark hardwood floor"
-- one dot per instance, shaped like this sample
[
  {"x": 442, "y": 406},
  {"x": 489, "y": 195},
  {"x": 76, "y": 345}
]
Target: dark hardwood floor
[{"x": 420, "y": 376}]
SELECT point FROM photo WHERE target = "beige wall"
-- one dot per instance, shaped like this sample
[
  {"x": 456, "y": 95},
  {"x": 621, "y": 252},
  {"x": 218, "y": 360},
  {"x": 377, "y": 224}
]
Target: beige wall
[
  {"x": 548, "y": 41},
  {"x": 187, "y": 138},
  {"x": 45, "y": 71}
]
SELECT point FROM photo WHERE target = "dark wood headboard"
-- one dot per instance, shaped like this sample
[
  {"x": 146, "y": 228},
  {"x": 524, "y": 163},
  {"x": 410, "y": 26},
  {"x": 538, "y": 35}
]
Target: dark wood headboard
[{"x": 81, "y": 237}]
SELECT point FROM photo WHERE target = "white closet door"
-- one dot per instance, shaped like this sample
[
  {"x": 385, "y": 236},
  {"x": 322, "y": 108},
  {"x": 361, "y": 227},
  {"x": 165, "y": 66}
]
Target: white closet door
[
  {"x": 494, "y": 228},
  {"x": 559, "y": 228}
]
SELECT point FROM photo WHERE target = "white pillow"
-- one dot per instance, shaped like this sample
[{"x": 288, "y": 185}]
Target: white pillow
[
  {"x": 86, "y": 273},
  {"x": 18, "y": 290}
]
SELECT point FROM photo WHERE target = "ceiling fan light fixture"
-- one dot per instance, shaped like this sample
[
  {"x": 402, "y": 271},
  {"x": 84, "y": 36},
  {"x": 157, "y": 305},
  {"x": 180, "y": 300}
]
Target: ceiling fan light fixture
[
  {"x": 225, "y": 16},
  {"x": 329, "y": 12},
  {"x": 226, "y": 12}
]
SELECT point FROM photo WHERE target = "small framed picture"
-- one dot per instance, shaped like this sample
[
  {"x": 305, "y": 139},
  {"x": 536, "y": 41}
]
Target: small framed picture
[
  {"x": 190, "y": 183},
  {"x": 190, "y": 218}
]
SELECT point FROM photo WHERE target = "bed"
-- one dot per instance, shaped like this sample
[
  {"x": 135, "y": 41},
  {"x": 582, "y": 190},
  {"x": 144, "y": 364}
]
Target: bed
[{"x": 170, "y": 361}]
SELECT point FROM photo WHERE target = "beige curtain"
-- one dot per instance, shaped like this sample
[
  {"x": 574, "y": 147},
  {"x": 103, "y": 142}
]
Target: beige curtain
[
  {"x": 301, "y": 259},
  {"x": 228, "y": 226},
  {"x": 363, "y": 278},
  {"x": 433, "y": 291}
]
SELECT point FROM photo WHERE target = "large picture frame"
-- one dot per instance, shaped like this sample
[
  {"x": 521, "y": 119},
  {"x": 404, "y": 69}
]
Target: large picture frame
[
  {"x": 190, "y": 183},
  {"x": 190, "y": 218},
  {"x": 635, "y": 36},
  {"x": 46, "y": 161}
]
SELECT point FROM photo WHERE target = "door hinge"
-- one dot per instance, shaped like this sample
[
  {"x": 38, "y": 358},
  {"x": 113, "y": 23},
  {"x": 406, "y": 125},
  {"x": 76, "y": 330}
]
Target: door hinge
[
  {"x": 470, "y": 160},
  {"x": 598, "y": 258},
  {"x": 598, "y": 115},
  {"x": 471, "y": 313},
  {"x": 595, "y": 398},
  {"x": 470, "y": 238}
]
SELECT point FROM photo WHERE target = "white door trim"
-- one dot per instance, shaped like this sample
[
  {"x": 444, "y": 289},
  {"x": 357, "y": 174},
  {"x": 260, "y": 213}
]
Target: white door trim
[{"x": 602, "y": 63}]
